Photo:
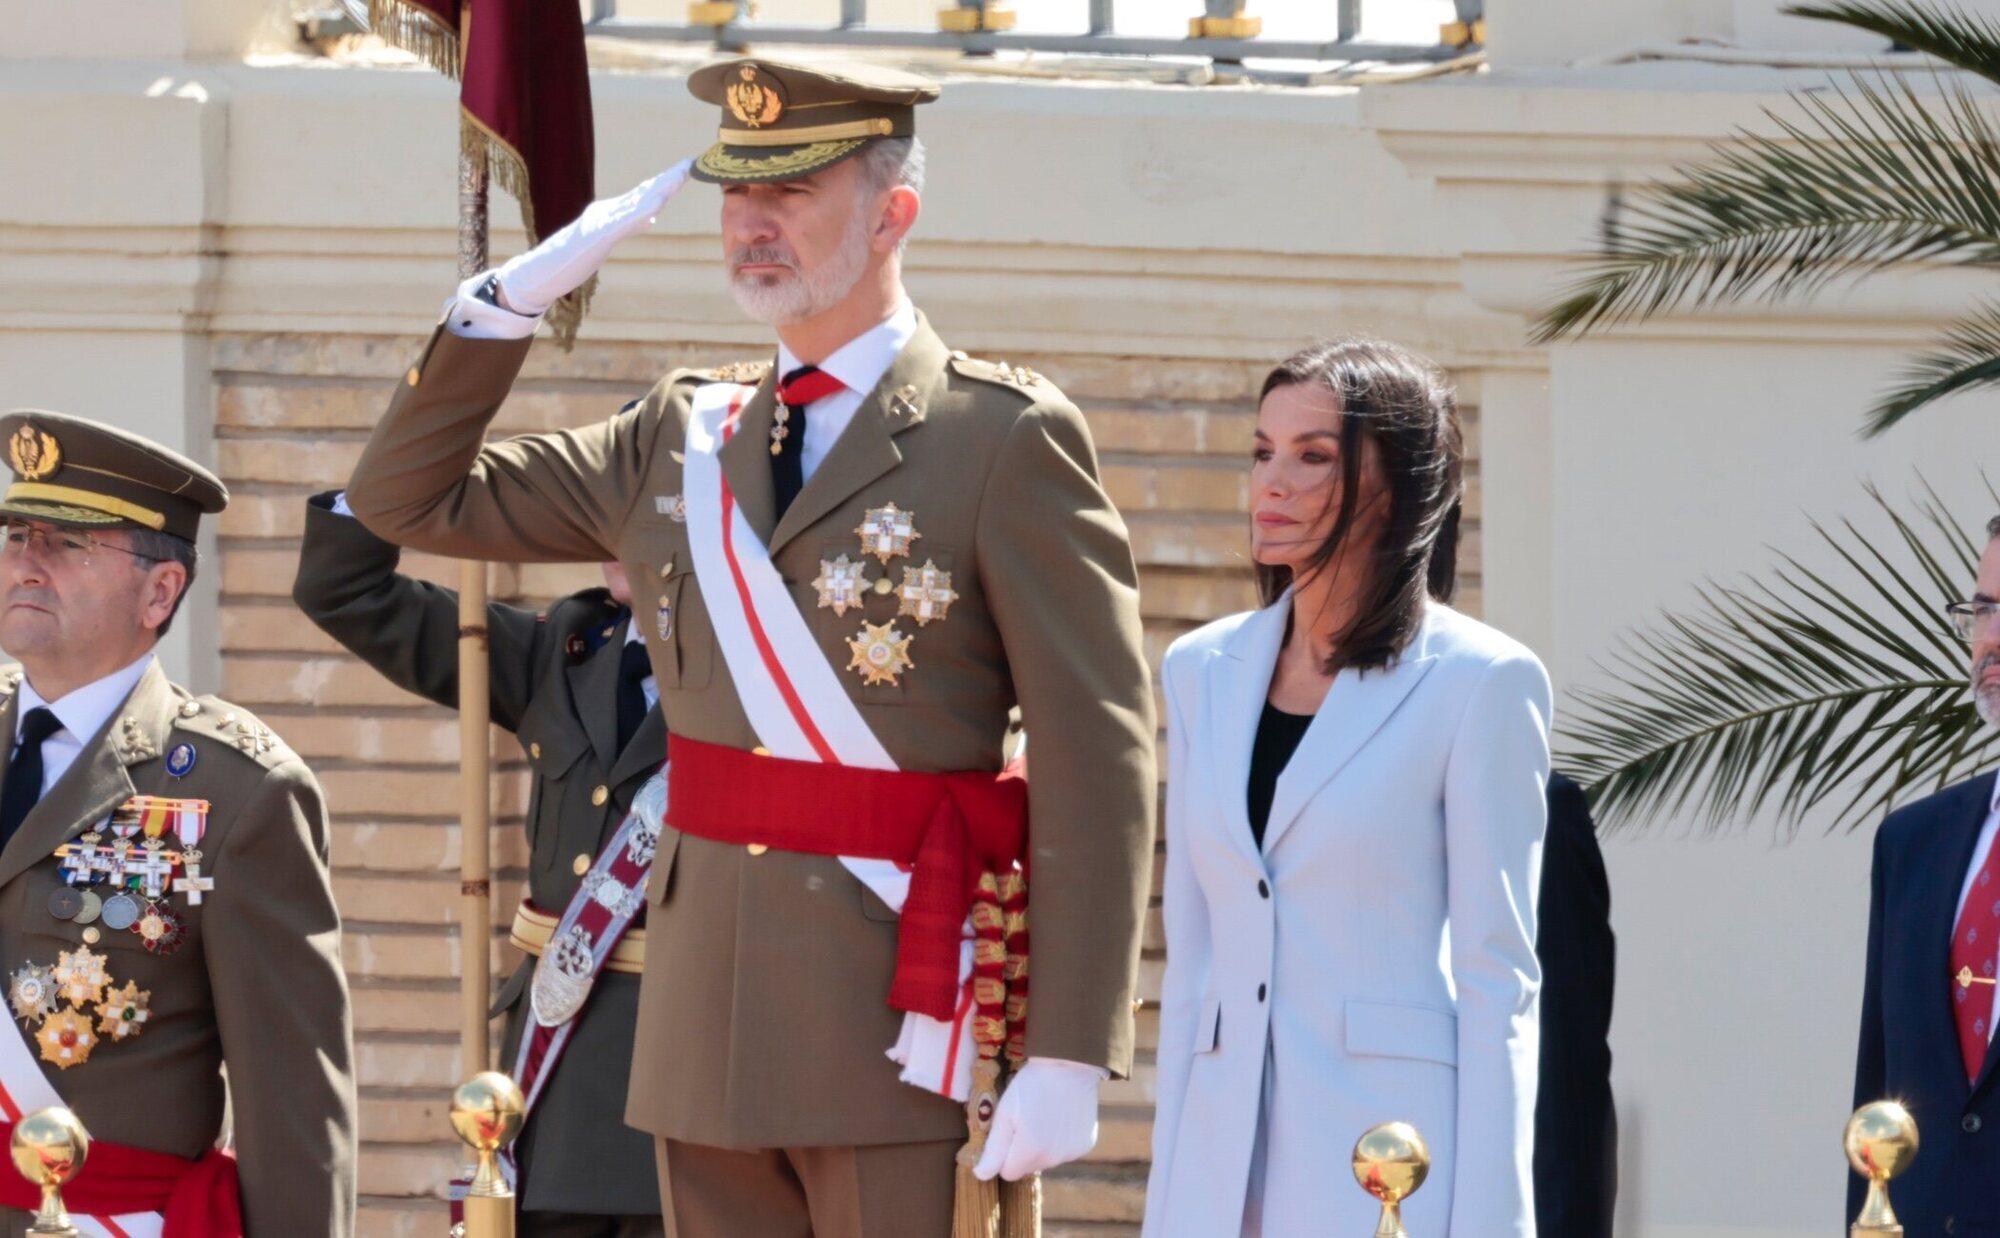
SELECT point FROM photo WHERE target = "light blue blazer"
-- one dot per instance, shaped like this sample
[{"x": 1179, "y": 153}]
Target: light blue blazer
[{"x": 1375, "y": 960}]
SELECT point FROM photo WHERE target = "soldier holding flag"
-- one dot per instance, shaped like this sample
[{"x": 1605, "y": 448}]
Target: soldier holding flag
[{"x": 849, "y": 567}]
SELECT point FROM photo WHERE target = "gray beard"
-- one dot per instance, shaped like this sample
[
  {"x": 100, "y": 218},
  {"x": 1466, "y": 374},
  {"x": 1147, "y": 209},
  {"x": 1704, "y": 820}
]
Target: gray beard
[
  {"x": 780, "y": 302},
  {"x": 1987, "y": 702}
]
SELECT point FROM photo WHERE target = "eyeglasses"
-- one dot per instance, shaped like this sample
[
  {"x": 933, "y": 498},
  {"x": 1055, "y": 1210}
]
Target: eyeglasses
[
  {"x": 59, "y": 547},
  {"x": 1968, "y": 617}
]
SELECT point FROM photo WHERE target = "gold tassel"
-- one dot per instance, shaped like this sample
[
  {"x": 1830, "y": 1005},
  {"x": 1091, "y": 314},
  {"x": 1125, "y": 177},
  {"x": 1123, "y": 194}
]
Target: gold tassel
[
  {"x": 510, "y": 172},
  {"x": 1021, "y": 1207},
  {"x": 416, "y": 31},
  {"x": 975, "y": 1209}
]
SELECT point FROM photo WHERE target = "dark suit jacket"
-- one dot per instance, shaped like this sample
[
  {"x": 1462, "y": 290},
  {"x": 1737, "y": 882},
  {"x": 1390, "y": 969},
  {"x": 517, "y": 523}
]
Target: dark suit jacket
[
  {"x": 1909, "y": 1038},
  {"x": 1576, "y": 1127},
  {"x": 559, "y": 696}
]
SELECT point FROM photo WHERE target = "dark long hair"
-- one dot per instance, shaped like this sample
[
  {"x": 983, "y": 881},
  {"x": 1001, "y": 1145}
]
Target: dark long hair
[{"x": 1402, "y": 404}]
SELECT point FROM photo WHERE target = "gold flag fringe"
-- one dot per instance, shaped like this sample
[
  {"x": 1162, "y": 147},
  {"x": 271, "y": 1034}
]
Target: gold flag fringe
[
  {"x": 996, "y": 1209},
  {"x": 417, "y": 31},
  {"x": 510, "y": 172}
]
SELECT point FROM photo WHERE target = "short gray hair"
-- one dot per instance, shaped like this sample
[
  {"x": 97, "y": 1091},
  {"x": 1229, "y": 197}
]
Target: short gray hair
[
  {"x": 890, "y": 162},
  {"x": 166, "y": 548}
]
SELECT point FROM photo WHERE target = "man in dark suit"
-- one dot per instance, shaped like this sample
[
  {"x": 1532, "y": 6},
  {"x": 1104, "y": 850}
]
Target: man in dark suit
[
  {"x": 574, "y": 685},
  {"x": 1576, "y": 1127},
  {"x": 1927, "y": 1011}
]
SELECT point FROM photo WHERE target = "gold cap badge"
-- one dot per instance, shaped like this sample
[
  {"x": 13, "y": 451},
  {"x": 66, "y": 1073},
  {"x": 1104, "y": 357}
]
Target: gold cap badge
[
  {"x": 752, "y": 102},
  {"x": 34, "y": 453}
]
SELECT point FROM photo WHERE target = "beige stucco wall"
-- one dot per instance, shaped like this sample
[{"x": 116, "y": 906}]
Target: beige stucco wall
[{"x": 238, "y": 258}]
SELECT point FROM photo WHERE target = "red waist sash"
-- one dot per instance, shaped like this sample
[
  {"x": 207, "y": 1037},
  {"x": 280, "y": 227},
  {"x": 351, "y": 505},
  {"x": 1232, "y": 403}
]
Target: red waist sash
[
  {"x": 196, "y": 1199},
  {"x": 948, "y": 829}
]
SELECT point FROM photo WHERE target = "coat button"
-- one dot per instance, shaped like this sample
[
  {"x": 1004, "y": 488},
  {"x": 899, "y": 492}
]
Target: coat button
[
  {"x": 1970, "y": 1124},
  {"x": 535, "y": 751},
  {"x": 756, "y": 848},
  {"x": 600, "y": 794},
  {"x": 1263, "y": 889},
  {"x": 1263, "y": 990},
  {"x": 581, "y": 864},
  {"x": 760, "y": 752}
]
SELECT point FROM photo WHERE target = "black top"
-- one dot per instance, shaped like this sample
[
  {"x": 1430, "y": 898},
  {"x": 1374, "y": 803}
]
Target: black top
[{"x": 1278, "y": 736}]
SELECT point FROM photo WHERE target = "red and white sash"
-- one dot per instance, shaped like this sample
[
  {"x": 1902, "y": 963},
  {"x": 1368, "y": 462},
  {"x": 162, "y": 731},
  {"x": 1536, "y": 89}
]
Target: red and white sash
[
  {"x": 24, "y": 1089},
  {"x": 795, "y": 699}
]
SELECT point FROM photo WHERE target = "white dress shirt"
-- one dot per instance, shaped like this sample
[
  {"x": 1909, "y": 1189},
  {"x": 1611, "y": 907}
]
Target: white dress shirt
[
  {"x": 82, "y": 713},
  {"x": 860, "y": 363},
  {"x": 648, "y": 685},
  {"x": 1979, "y": 854}
]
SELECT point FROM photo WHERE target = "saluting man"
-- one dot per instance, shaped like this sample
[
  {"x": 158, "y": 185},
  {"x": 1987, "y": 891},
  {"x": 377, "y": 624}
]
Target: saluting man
[
  {"x": 574, "y": 684},
  {"x": 857, "y": 561},
  {"x": 165, "y": 908}
]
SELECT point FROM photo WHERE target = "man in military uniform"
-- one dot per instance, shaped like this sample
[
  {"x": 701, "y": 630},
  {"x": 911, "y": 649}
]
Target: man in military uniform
[
  {"x": 863, "y": 557},
  {"x": 575, "y": 685},
  {"x": 165, "y": 908}
]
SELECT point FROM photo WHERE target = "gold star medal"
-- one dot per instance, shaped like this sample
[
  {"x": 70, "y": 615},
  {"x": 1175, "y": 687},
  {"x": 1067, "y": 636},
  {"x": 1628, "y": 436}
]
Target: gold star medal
[
  {"x": 66, "y": 1039},
  {"x": 32, "y": 993},
  {"x": 841, "y": 584},
  {"x": 123, "y": 1012},
  {"x": 881, "y": 653},
  {"x": 886, "y": 532},
  {"x": 927, "y": 593},
  {"x": 80, "y": 976}
]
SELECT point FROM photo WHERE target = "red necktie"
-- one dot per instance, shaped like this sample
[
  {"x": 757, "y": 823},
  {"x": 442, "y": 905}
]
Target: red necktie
[
  {"x": 1974, "y": 943},
  {"x": 807, "y": 384}
]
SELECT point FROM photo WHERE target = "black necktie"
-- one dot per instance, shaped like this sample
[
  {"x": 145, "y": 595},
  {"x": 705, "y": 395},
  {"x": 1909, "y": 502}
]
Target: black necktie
[
  {"x": 633, "y": 666},
  {"x": 796, "y": 390},
  {"x": 24, "y": 773}
]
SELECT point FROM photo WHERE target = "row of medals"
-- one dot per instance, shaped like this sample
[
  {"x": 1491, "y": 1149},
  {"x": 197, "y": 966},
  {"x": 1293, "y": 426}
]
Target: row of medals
[
  {"x": 880, "y": 653},
  {"x": 134, "y": 878}
]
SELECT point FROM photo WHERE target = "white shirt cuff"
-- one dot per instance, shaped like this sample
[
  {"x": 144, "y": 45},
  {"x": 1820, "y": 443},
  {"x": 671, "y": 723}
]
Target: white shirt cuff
[
  {"x": 467, "y": 316},
  {"x": 1099, "y": 1071},
  {"x": 340, "y": 507}
]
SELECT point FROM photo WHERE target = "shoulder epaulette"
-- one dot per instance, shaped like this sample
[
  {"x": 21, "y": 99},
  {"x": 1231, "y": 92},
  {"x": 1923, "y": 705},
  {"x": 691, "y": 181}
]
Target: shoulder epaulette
[
  {"x": 1019, "y": 377},
  {"x": 735, "y": 372},
  {"x": 232, "y": 725}
]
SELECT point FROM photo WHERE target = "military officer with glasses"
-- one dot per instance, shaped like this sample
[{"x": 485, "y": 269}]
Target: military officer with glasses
[
  {"x": 168, "y": 936},
  {"x": 1928, "y": 1006}
]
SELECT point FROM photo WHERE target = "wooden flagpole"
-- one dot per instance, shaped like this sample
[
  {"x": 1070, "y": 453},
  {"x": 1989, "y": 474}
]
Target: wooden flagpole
[{"x": 475, "y": 932}]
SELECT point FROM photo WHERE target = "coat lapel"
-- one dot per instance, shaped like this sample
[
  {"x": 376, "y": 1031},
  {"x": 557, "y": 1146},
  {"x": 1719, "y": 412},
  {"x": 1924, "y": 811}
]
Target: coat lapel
[
  {"x": 1355, "y": 708},
  {"x": 1239, "y": 684},
  {"x": 98, "y": 781},
  {"x": 1968, "y": 818},
  {"x": 595, "y": 679},
  {"x": 644, "y": 754},
  {"x": 746, "y": 459},
  {"x": 867, "y": 448}
]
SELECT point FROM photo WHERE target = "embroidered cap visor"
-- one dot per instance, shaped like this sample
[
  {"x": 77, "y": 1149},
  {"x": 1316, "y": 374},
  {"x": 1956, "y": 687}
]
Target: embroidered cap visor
[
  {"x": 73, "y": 471},
  {"x": 783, "y": 120}
]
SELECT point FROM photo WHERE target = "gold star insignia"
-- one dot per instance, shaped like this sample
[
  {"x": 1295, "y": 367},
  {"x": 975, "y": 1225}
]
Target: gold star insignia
[
  {"x": 927, "y": 593},
  {"x": 881, "y": 653},
  {"x": 124, "y": 1012},
  {"x": 887, "y": 532},
  {"x": 66, "y": 1039},
  {"x": 81, "y": 976},
  {"x": 841, "y": 584}
]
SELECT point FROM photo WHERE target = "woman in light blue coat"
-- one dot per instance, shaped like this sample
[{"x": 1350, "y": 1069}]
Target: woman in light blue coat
[{"x": 1355, "y": 810}]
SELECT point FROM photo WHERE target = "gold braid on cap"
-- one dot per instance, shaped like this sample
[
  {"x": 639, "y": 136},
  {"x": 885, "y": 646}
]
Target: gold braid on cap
[{"x": 720, "y": 162}]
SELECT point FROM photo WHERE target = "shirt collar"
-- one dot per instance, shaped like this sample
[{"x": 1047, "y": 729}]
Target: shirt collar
[
  {"x": 861, "y": 362},
  {"x": 632, "y": 634},
  {"x": 1995, "y": 805},
  {"x": 84, "y": 711}
]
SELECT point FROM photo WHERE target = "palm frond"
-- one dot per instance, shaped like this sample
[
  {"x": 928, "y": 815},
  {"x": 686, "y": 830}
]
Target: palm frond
[
  {"x": 1947, "y": 31},
  {"x": 1864, "y": 178},
  {"x": 1794, "y": 692},
  {"x": 1966, "y": 359}
]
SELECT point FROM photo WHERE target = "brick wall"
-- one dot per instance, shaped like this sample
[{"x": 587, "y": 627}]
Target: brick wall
[{"x": 291, "y": 414}]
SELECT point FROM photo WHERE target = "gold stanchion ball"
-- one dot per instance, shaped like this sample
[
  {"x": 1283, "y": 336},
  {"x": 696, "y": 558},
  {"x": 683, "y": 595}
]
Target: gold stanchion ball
[
  {"x": 486, "y": 1110},
  {"x": 1391, "y": 1161},
  {"x": 50, "y": 1146},
  {"x": 1881, "y": 1140}
]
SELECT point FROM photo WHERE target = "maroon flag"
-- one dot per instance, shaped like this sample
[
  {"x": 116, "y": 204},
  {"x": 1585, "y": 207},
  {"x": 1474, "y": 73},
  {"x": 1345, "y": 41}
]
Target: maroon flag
[{"x": 524, "y": 102}]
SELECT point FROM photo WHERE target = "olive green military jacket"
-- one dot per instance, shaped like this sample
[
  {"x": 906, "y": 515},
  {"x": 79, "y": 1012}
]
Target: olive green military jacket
[
  {"x": 255, "y": 982},
  {"x": 554, "y": 683},
  {"x": 763, "y": 1016}
]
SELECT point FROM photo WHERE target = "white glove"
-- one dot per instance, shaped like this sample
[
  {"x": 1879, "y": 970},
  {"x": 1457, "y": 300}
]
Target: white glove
[
  {"x": 532, "y": 282},
  {"x": 1046, "y": 1117}
]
